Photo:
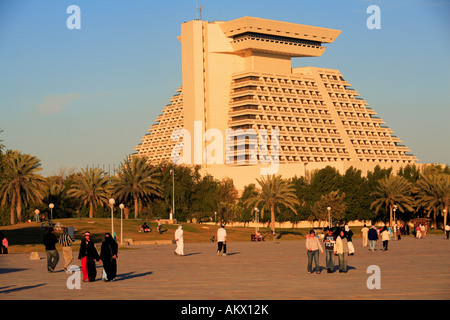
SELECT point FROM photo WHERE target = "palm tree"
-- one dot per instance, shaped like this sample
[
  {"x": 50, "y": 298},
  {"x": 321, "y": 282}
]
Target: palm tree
[
  {"x": 22, "y": 185},
  {"x": 390, "y": 191},
  {"x": 335, "y": 200},
  {"x": 274, "y": 191},
  {"x": 90, "y": 188},
  {"x": 433, "y": 193},
  {"x": 136, "y": 180},
  {"x": 56, "y": 194}
]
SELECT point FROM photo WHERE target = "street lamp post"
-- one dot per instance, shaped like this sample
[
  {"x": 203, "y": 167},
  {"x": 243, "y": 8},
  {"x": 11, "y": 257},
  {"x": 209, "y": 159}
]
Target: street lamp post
[
  {"x": 51, "y": 206},
  {"x": 256, "y": 219},
  {"x": 395, "y": 223},
  {"x": 172, "y": 214},
  {"x": 445, "y": 218},
  {"x": 329, "y": 217},
  {"x": 111, "y": 202},
  {"x": 121, "y": 206}
]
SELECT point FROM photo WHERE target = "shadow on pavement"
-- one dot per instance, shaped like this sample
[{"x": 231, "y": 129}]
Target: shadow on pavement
[
  {"x": 9, "y": 290},
  {"x": 131, "y": 275}
]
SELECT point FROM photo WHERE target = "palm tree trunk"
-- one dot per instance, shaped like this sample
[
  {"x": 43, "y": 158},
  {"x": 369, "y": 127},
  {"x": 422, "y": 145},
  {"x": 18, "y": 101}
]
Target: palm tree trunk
[
  {"x": 272, "y": 218},
  {"x": 91, "y": 210},
  {"x": 126, "y": 211},
  {"x": 435, "y": 219},
  {"x": 19, "y": 210},
  {"x": 12, "y": 214},
  {"x": 136, "y": 208}
]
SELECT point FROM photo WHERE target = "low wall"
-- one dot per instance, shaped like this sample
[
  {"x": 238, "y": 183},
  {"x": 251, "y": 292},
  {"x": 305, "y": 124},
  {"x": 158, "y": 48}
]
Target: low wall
[
  {"x": 287, "y": 225},
  {"x": 131, "y": 242}
]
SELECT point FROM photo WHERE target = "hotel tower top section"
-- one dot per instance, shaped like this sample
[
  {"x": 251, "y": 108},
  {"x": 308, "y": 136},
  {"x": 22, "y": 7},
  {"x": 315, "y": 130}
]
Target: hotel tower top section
[
  {"x": 250, "y": 34},
  {"x": 238, "y": 75}
]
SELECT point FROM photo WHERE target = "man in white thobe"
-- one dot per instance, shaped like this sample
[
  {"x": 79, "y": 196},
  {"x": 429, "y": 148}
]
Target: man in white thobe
[{"x": 180, "y": 242}]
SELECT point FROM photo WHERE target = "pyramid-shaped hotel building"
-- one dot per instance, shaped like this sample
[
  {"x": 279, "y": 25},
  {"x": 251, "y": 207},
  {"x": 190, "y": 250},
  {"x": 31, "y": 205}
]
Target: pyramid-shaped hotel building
[{"x": 243, "y": 111}]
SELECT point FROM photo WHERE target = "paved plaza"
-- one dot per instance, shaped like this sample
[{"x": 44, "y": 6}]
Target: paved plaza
[{"x": 411, "y": 269}]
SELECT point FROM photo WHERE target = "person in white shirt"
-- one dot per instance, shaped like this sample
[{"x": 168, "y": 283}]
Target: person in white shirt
[
  {"x": 222, "y": 240},
  {"x": 447, "y": 230},
  {"x": 385, "y": 237},
  {"x": 313, "y": 247},
  {"x": 423, "y": 231},
  {"x": 342, "y": 250}
]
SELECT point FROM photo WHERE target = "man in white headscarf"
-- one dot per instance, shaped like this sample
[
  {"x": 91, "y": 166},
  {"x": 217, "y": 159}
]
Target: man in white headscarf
[{"x": 180, "y": 242}]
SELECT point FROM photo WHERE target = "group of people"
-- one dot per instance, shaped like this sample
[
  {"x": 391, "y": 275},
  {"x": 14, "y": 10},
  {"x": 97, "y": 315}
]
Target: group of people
[
  {"x": 371, "y": 235},
  {"x": 87, "y": 255},
  {"x": 146, "y": 228},
  {"x": 337, "y": 243},
  {"x": 221, "y": 241},
  {"x": 421, "y": 231}
]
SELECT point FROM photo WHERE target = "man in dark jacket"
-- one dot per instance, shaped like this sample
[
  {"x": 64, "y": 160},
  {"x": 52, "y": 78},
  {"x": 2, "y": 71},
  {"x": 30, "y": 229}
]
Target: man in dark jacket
[
  {"x": 50, "y": 242},
  {"x": 329, "y": 241},
  {"x": 373, "y": 237}
]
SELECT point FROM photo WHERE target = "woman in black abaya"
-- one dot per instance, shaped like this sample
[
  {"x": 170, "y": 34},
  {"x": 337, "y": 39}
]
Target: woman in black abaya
[
  {"x": 88, "y": 255},
  {"x": 108, "y": 254}
]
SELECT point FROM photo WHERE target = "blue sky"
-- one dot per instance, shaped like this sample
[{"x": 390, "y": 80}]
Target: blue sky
[{"x": 86, "y": 97}]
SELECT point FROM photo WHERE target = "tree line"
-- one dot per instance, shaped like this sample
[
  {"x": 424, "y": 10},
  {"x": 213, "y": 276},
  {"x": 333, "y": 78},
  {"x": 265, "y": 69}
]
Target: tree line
[{"x": 149, "y": 191}]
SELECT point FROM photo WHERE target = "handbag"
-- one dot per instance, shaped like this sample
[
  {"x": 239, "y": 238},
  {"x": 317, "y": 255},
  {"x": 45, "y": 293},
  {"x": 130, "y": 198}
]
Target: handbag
[{"x": 351, "y": 248}]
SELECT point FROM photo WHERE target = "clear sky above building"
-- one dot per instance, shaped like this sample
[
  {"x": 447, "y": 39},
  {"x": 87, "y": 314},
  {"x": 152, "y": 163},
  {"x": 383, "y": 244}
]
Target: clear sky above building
[{"x": 78, "y": 97}]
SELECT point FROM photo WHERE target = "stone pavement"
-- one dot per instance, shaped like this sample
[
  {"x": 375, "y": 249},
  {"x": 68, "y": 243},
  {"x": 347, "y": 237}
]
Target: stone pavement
[{"x": 411, "y": 269}]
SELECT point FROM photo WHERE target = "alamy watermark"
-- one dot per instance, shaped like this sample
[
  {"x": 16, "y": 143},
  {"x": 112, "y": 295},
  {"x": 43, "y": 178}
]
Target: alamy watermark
[
  {"x": 251, "y": 147},
  {"x": 74, "y": 20},
  {"x": 374, "y": 20},
  {"x": 374, "y": 280},
  {"x": 74, "y": 280}
]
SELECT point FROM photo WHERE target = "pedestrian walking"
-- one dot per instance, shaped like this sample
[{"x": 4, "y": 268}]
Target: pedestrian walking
[
  {"x": 108, "y": 255},
  {"x": 418, "y": 232},
  {"x": 50, "y": 242},
  {"x": 222, "y": 240},
  {"x": 364, "y": 235},
  {"x": 180, "y": 241},
  {"x": 423, "y": 230},
  {"x": 385, "y": 235},
  {"x": 66, "y": 241},
  {"x": 329, "y": 241},
  {"x": 342, "y": 250},
  {"x": 88, "y": 255},
  {"x": 349, "y": 234},
  {"x": 159, "y": 226},
  {"x": 397, "y": 231},
  {"x": 313, "y": 247},
  {"x": 372, "y": 235},
  {"x": 447, "y": 230}
]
